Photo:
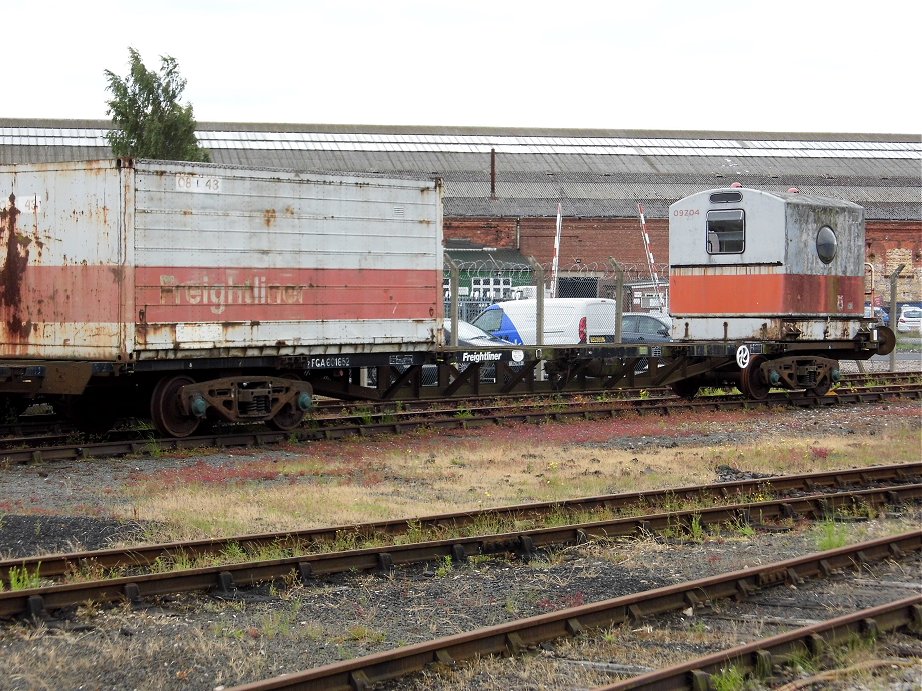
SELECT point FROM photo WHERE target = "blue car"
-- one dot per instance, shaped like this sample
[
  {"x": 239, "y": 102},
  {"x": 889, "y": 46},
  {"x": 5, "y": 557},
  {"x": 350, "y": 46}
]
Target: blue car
[{"x": 879, "y": 313}]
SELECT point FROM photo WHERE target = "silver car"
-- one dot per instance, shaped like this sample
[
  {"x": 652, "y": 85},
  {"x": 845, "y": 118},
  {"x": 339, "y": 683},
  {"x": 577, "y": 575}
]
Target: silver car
[{"x": 910, "y": 320}]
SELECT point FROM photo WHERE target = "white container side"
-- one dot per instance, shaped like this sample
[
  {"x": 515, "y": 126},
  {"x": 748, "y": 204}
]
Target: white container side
[{"x": 160, "y": 260}]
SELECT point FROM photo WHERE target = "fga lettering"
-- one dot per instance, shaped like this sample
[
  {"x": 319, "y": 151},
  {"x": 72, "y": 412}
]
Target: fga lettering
[{"x": 255, "y": 290}]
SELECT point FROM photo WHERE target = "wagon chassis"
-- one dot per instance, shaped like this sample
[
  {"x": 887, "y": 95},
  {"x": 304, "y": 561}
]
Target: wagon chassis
[
  {"x": 279, "y": 389},
  {"x": 684, "y": 366}
]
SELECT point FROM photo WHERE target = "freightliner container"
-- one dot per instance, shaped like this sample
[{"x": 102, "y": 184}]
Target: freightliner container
[{"x": 122, "y": 260}]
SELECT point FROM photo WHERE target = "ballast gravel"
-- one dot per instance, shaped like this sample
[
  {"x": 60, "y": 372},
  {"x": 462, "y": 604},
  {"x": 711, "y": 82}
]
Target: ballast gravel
[
  {"x": 218, "y": 641},
  {"x": 210, "y": 642}
]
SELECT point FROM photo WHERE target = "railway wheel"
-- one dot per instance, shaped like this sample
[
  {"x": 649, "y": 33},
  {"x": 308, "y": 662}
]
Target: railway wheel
[
  {"x": 686, "y": 388},
  {"x": 165, "y": 409},
  {"x": 752, "y": 384},
  {"x": 290, "y": 416}
]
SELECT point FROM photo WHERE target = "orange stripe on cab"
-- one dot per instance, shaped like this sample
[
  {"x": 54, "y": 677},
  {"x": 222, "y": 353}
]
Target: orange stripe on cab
[{"x": 775, "y": 294}]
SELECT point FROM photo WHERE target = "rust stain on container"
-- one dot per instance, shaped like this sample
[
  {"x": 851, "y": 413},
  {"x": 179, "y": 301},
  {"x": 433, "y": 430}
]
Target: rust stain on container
[
  {"x": 15, "y": 261},
  {"x": 269, "y": 217}
]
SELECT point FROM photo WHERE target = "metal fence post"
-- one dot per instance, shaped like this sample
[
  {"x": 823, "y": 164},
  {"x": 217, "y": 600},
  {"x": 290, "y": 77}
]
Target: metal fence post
[
  {"x": 539, "y": 300},
  {"x": 893, "y": 317},
  {"x": 453, "y": 281},
  {"x": 619, "y": 297},
  {"x": 539, "y": 312}
]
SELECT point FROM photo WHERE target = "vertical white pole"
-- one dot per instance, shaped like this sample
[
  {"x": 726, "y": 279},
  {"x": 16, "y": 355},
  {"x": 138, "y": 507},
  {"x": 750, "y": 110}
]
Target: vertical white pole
[
  {"x": 556, "y": 261},
  {"x": 650, "y": 263}
]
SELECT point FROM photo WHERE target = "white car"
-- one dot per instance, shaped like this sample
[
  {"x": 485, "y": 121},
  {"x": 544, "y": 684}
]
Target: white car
[
  {"x": 567, "y": 321},
  {"x": 910, "y": 320}
]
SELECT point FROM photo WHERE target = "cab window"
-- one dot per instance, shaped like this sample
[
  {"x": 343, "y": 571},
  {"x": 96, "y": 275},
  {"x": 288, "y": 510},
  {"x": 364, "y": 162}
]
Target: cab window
[{"x": 726, "y": 231}]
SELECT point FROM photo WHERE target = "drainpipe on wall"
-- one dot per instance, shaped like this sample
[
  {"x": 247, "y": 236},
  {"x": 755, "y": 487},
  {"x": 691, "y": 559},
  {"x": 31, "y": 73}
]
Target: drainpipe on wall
[{"x": 492, "y": 173}]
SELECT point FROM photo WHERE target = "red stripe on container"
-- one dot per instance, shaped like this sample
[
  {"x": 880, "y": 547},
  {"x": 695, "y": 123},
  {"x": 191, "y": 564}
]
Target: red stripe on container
[
  {"x": 207, "y": 294},
  {"x": 775, "y": 294},
  {"x": 63, "y": 294}
]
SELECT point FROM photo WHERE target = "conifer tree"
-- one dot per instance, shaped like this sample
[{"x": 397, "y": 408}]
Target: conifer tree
[{"x": 148, "y": 119}]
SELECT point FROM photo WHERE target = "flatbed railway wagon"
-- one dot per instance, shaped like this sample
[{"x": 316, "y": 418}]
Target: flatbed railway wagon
[
  {"x": 196, "y": 291},
  {"x": 766, "y": 291}
]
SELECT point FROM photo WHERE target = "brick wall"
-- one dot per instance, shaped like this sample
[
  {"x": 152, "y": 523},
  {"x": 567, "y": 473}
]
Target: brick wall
[
  {"x": 889, "y": 244},
  {"x": 590, "y": 242},
  {"x": 489, "y": 232},
  {"x": 586, "y": 241}
]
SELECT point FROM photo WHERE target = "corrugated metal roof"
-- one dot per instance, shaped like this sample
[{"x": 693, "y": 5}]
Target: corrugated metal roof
[
  {"x": 501, "y": 144},
  {"x": 467, "y": 255},
  {"x": 595, "y": 172}
]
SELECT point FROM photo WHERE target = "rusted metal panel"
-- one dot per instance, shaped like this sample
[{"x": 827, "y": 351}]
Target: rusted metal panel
[
  {"x": 63, "y": 263},
  {"x": 777, "y": 328},
  {"x": 152, "y": 260}
]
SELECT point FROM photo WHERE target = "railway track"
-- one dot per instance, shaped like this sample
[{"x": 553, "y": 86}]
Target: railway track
[
  {"x": 464, "y": 522},
  {"x": 758, "y": 658},
  {"x": 339, "y": 421},
  {"x": 45, "y": 424},
  {"x": 515, "y": 637},
  {"x": 227, "y": 577},
  {"x": 326, "y": 589}
]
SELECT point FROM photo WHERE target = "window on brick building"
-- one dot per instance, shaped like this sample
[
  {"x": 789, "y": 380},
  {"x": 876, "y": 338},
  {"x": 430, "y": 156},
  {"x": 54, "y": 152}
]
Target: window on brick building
[{"x": 491, "y": 288}]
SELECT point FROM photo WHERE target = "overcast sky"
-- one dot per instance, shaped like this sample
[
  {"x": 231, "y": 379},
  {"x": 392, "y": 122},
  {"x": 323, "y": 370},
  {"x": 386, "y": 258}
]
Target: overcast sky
[{"x": 807, "y": 66}]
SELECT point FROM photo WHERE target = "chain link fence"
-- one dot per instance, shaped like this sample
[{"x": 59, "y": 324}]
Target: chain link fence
[
  {"x": 472, "y": 287},
  {"x": 475, "y": 285}
]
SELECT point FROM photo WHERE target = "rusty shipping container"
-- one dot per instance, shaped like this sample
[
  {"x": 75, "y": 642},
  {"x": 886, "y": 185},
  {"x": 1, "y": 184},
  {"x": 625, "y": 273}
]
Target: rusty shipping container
[{"x": 121, "y": 260}]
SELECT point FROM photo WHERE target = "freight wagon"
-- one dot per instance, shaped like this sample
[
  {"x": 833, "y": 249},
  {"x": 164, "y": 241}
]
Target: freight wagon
[{"x": 207, "y": 291}]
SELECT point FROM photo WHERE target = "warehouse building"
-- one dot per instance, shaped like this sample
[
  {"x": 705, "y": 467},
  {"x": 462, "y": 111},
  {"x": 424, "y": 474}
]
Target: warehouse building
[{"x": 503, "y": 186}]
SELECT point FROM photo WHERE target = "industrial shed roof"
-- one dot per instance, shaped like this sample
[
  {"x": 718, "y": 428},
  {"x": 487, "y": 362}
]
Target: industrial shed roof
[
  {"x": 470, "y": 256},
  {"x": 594, "y": 173}
]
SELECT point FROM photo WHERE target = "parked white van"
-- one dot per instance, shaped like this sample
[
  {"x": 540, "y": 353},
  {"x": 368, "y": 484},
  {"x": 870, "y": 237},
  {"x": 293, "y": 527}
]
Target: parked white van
[{"x": 567, "y": 321}]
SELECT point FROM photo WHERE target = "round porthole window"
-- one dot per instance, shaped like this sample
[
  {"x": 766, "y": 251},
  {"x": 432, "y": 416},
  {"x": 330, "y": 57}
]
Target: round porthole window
[{"x": 826, "y": 244}]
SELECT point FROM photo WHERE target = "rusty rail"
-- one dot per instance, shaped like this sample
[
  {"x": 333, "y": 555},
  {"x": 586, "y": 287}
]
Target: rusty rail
[
  {"x": 615, "y": 409},
  {"x": 513, "y": 637},
  {"x": 760, "y": 656},
  {"x": 37, "y": 601}
]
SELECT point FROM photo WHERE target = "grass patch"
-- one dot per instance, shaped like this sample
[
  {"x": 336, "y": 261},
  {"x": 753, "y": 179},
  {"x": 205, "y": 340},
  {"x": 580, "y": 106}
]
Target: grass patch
[
  {"x": 432, "y": 471},
  {"x": 831, "y": 535},
  {"x": 23, "y": 579}
]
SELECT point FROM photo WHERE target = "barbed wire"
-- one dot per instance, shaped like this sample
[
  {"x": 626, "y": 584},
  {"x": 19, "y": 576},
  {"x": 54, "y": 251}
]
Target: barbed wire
[{"x": 603, "y": 270}]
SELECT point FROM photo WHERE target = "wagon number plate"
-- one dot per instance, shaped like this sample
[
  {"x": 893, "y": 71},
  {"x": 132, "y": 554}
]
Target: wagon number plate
[{"x": 197, "y": 183}]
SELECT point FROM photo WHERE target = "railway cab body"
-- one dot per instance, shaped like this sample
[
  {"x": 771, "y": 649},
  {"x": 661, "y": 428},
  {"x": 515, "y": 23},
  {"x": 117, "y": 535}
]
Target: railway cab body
[{"x": 748, "y": 264}]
